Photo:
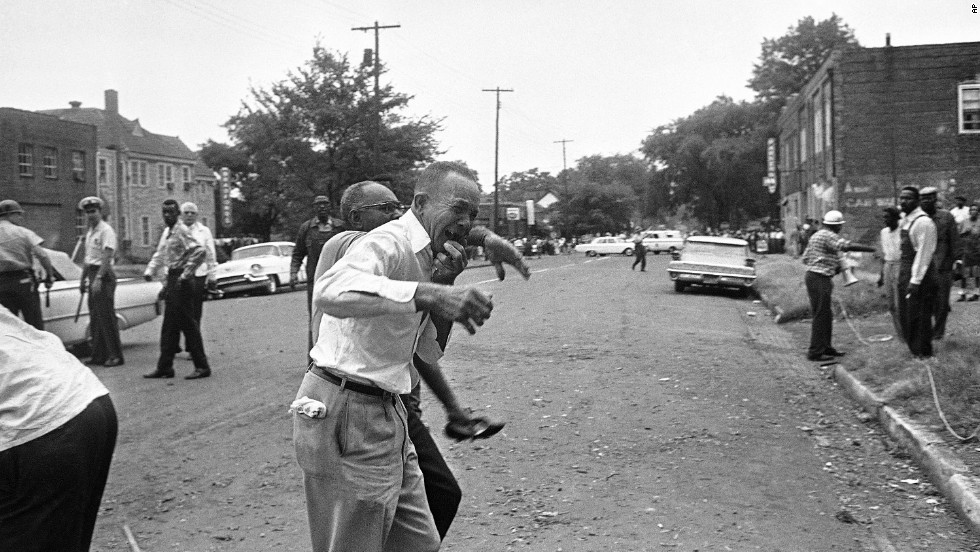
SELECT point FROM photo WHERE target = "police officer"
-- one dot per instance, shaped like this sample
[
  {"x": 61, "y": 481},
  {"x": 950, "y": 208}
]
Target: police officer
[
  {"x": 100, "y": 281},
  {"x": 310, "y": 238},
  {"x": 19, "y": 247}
]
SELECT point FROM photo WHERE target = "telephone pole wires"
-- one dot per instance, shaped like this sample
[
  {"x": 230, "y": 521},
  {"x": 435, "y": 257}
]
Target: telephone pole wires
[
  {"x": 496, "y": 157},
  {"x": 564, "y": 163},
  {"x": 376, "y": 63}
]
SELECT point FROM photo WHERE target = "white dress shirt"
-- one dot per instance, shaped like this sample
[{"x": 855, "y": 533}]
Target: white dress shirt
[
  {"x": 202, "y": 235},
  {"x": 370, "y": 327},
  {"x": 96, "y": 239},
  {"x": 923, "y": 235},
  {"x": 891, "y": 244}
]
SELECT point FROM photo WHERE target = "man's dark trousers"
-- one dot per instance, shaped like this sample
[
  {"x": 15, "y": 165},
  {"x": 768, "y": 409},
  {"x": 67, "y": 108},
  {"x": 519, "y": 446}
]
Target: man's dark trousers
[
  {"x": 944, "y": 283},
  {"x": 51, "y": 487},
  {"x": 641, "y": 259},
  {"x": 179, "y": 315},
  {"x": 819, "y": 288},
  {"x": 18, "y": 292},
  {"x": 441, "y": 489},
  {"x": 104, "y": 326},
  {"x": 916, "y": 311}
]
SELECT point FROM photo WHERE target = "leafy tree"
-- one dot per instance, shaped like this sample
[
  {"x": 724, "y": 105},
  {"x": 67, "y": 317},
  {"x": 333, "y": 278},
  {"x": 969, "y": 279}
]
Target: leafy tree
[
  {"x": 713, "y": 161},
  {"x": 593, "y": 208},
  {"x": 313, "y": 134},
  {"x": 519, "y": 186},
  {"x": 788, "y": 62}
]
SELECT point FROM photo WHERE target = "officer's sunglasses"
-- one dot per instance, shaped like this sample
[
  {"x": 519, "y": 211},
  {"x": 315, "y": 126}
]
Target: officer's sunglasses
[{"x": 388, "y": 207}]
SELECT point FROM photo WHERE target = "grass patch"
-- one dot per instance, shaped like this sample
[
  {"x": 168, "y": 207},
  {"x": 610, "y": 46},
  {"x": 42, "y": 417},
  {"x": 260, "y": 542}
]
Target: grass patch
[{"x": 888, "y": 368}]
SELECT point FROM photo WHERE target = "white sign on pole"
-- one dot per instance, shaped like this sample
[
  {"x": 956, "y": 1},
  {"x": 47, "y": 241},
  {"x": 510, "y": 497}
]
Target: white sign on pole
[
  {"x": 530, "y": 212},
  {"x": 513, "y": 213}
]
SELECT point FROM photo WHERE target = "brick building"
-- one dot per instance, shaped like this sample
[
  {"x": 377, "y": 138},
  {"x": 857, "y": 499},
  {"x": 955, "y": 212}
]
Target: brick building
[
  {"x": 136, "y": 170},
  {"x": 875, "y": 119},
  {"x": 47, "y": 165}
]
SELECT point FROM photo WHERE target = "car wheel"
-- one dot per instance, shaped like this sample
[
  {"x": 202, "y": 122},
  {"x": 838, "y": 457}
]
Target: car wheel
[
  {"x": 590, "y": 253},
  {"x": 656, "y": 251},
  {"x": 628, "y": 252},
  {"x": 672, "y": 250},
  {"x": 273, "y": 286},
  {"x": 679, "y": 286}
]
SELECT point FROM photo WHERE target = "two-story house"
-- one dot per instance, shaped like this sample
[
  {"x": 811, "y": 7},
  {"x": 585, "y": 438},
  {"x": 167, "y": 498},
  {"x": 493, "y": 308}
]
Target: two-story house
[
  {"x": 875, "y": 119},
  {"x": 136, "y": 170}
]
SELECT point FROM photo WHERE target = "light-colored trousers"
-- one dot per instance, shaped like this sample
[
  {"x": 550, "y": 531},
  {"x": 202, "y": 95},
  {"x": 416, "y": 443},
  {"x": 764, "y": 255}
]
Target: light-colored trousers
[
  {"x": 364, "y": 489},
  {"x": 890, "y": 271}
]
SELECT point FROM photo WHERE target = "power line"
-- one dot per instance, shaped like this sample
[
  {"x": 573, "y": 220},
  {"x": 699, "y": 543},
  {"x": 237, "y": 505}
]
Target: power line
[
  {"x": 496, "y": 157},
  {"x": 376, "y": 62}
]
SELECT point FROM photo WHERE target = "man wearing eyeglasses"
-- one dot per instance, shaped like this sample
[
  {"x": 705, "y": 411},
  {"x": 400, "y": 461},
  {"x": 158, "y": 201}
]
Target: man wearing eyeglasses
[
  {"x": 310, "y": 238},
  {"x": 366, "y": 491}
]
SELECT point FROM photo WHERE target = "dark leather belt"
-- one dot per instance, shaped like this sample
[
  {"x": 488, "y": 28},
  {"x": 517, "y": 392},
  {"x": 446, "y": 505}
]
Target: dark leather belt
[{"x": 321, "y": 372}]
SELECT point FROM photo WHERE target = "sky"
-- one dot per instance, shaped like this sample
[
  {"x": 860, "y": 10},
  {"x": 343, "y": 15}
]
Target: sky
[{"x": 600, "y": 74}]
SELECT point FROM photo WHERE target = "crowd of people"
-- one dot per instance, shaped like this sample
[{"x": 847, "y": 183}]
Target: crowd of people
[{"x": 923, "y": 248}]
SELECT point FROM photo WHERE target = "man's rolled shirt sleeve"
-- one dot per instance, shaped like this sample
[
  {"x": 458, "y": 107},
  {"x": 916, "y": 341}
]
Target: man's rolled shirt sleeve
[{"x": 356, "y": 288}]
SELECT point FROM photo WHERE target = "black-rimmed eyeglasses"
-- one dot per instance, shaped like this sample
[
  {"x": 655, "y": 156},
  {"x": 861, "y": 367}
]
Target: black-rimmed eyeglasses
[{"x": 388, "y": 207}]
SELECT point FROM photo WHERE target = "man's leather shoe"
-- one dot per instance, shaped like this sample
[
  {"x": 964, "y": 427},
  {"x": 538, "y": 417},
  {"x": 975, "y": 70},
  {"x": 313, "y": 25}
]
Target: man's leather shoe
[
  {"x": 198, "y": 374},
  {"x": 820, "y": 358},
  {"x": 159, "y": 374},
  {"x": 114, "y": 361},
  {"x": 835, "y": 353}
]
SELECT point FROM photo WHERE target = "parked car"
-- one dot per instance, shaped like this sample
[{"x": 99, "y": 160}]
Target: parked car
[
  {"x": 714, "y": 262},
  {"x": 263, "y": 267},
  {"x": 136, "y": 302},
  {"x": 663, "y": 240},
  {"x": 608, "y": 245}
]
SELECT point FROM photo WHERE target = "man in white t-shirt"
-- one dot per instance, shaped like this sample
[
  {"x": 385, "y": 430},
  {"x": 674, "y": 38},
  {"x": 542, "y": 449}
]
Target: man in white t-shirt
[{"x": 57, "y": 435}]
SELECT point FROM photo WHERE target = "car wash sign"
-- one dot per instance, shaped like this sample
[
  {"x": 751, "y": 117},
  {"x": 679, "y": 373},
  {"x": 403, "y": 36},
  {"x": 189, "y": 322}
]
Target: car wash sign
[{"x": 226, "y": 197}]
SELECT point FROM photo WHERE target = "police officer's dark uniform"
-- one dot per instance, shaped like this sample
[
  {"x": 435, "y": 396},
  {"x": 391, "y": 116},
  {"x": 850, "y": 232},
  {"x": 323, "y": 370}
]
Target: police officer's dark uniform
[
  {"x": 19, "y": 247},
  {"x": 310, "y": 238},
  {"x": 100, "y": 283}
]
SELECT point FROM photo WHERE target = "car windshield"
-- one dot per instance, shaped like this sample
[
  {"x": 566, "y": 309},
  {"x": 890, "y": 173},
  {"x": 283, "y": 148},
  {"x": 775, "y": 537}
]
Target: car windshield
[
  {"x": 257, "y": 251},
  {"x": 715, "y": 249}
]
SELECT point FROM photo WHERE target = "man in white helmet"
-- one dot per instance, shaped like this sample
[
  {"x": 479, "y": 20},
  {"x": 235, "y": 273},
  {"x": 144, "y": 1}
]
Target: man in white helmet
[{"x": 823, "y": 261}]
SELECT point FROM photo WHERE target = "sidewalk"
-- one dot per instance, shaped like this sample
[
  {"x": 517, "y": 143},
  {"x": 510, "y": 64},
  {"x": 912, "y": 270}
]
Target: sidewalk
[{"x": 947, "y": 471}]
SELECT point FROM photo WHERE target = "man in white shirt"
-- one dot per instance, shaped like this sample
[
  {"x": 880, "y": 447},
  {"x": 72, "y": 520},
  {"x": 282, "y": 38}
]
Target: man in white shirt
[
  {"x": 364, "y": 489},
  {"x": 100, "y": 282},
  {"x": 890, "y": 239},
  {"x": 205, "y": 272},
  {"x": 917, "y": 275},
  {"x": 961, "y": 212},
  {"x": 57, "y": 434}
]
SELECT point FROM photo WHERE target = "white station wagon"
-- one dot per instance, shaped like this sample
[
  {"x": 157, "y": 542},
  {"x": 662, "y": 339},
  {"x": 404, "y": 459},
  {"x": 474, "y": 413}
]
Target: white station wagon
[
  {"x": 608, "y": 245},
  {"x": 261, "y": 267},
  {"x": 713, "y": 262}
]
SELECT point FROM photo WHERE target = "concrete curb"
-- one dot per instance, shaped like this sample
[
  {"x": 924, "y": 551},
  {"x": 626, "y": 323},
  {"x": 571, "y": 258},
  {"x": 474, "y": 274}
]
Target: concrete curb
[{"x": 945, "y": 470}]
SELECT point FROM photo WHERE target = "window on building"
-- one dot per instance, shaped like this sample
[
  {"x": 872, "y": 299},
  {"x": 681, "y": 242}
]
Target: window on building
[
  {"x": 802, "y": 144},
  {"x": 134, "y": 171},
  {"x": 25, "y": 159},
  {"x": 170, "y": 176},
  {"x": 144, "y": 230},
  {"x": 81, "y": 226},
  {"x": 144, "y": 179},
  {"x": 828, "y": 119},
  {"x": 161, "y": 178},
  {"x": 185, "y": 174},
  {"x": 50, "y": 163},
  {"x": 103, "y": 170},
  {"x": 78, "y": 165},
  {"x": 969, "y": 108},
  {"x": 122, "y": 227}
]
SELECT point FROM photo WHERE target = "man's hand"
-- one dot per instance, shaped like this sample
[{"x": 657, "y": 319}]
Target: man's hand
[
  {"x": 912, "y": 291},
  {"x": 881, "y": 280},
  {"x": 464, "y": 304},
  {"x": 499, "y": 251},
  {"x": 148, "y": 277},
  {"x": 448, "y": 266},
  {"x": 48, "y": 281}
]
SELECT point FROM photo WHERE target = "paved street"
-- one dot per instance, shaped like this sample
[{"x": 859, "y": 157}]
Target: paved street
[{"x": 637, "y": 419}]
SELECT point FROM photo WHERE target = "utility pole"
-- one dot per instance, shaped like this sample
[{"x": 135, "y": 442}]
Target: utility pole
[
  {"x": 496, "y": 157},
  {"x": 376, "y": 62},
  {"x": 564, "y": 163}
]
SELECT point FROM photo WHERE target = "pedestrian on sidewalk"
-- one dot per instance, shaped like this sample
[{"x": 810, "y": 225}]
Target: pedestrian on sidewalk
[
  {"x": 917, "y": 276},
  {"x": 640, "y": 251},
  {"x": 970, "y": 257},
  {"x": 823, "y": 261},
  {"x": 99, "y": 279},
  {"x": 947, "y": 238},
  {"x": 890, "y": 242}
]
